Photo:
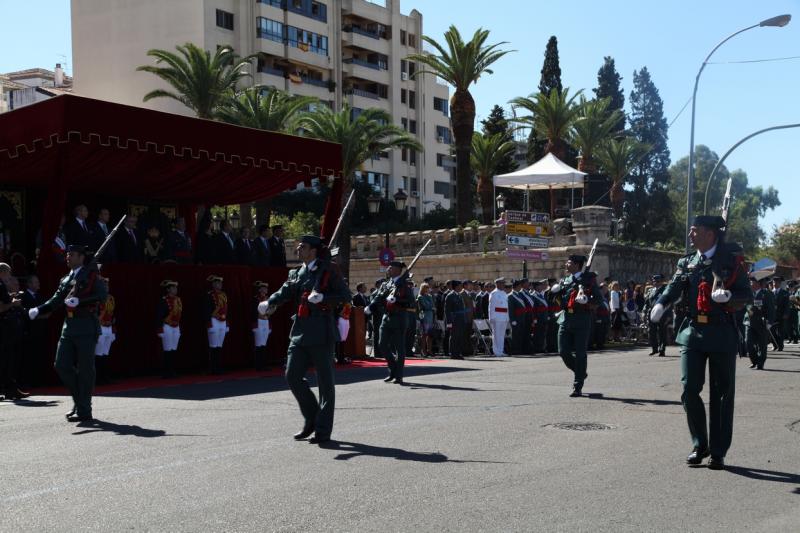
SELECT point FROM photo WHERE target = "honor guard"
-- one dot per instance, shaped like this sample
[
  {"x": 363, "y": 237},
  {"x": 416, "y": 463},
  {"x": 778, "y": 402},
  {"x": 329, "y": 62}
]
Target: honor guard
[
  {"x": 314, "y": 333},
  {"x": 169, "y": 313},
  {"x": 107, "y": 334},
  {"x": 216, "y": 314},
  {"x": 758, "y": 320},
  {"x": 579, "y": 295},
  {"x": 261, "y": 327},
  {"x": 498, "y": 317},
  {"x": 81, "y": 292},
  {"x": 397, "y": 297},
  {"x": 657, "y": 330},
  {"x": 713, "y": 284},
  {"x": 541, "y": 316},
  {"x": 518, "y": 314}
]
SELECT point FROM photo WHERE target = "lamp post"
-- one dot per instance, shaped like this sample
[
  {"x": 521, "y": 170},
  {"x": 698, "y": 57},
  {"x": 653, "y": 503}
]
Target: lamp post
[
  {"x": 779, "y": 22},
  {"x": 235, "y": 220}
]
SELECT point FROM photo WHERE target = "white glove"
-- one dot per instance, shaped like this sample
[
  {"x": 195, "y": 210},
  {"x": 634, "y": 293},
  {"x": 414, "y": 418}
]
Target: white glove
[
  {"x": 721, "y": 296},
  {"x": 582, "y": 299},
  {"x": 72, "y": 302},
  {"x": 160, "y": 335},
  {"x": 315, "y": 297},
  {"x": 657, "y": 313},
  {"x": 391, "y": 299},
  {"x": 513, "y": 323},
  {"x": 270, "y": 310},
  {"x": 344, "y": 328},
  {"x": 263, "y": 307},
  {"x": 555, "y": 289},
  {"x": 33, "y": 312},
  {"x": 367, "y": 311}
]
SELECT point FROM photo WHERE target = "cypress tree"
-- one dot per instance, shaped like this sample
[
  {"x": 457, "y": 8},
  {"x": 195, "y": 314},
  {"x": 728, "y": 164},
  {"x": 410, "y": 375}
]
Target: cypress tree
[
  {"x": 496, "y": 123},
  {"x": 609, "y": 86},
  {"x": 550, "y": 79}
]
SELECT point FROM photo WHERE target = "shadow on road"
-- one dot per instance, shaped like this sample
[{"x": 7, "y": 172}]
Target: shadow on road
[
  {"x": 36, "y": 403},
  {"x": 631, "y": 401},
  {"x": 439, "y": 386},
  {"x": 357, "y": 449},
  {"x": 95, "y": 426},
  {"x": 779, "y": 370},
  {"x": 766, "y": 475}
]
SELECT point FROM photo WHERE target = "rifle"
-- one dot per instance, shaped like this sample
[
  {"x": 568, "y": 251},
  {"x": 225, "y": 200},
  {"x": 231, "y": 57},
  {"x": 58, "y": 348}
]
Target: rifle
[
  {"x": 726, "y": 202},
  {"x": 335, "y": 249},
  {"x": 591, "y": 257},
  {"x": 106, "y": 242},
  {"x": 407, "y": 274}
]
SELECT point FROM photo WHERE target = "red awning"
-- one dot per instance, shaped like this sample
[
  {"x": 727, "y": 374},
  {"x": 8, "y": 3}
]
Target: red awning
[{"x": 75, "y": 143}]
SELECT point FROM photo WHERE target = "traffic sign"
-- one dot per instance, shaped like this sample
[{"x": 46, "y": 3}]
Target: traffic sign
[
  {"x": 527, "y": 216},
  {"x": 530, "y": 242},
  {"x": 529, "y": 230},
  {"x": 386, "y": 256},
  {"x": 528, "y": 255}
]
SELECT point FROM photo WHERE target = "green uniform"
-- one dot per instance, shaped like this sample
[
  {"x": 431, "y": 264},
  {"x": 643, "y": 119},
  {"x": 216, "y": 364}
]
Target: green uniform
[
  {"x": 75, "y": 353},
  {"x": 395, "y": 322},
  {"x": 575, "y": 322},
  {"x": 456, "y": 323},
  {"x": 313, "y": 338},
  {"x": 708, "y": 333},
  {"x": 517, "y": 317},
  {"x": 760, "y": 314},
  {"x": 657, "y": 332},
  {"x": 781, "y": 316}
]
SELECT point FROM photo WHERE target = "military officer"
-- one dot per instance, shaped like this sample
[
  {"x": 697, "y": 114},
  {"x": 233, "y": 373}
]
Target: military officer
[
  {"x": 215, "y": 307},
  {"x": 107, "y": 334},
  {"x": 170, "y": 309},
  {"x": 375, "y": 316},
  {"x": 781, "y": 312},
  {"x": 579, "y": 295},
  {"x": 260, "y": 323},
  {"x": 713, "y": 284},
  {"x": 759, "y": 317},
  {"x": 81, "y": 291},
  {"x": 455, "y": 320},
  {"x": 396, "y": 296},
  {"x": 498, "y": 316},
  {"x": 313, "y": 334},
  {"x": 657, "y": 330},
  {"x": 517, "y": 315}
]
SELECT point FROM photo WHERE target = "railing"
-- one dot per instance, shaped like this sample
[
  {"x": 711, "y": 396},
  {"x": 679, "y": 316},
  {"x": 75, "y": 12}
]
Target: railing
[
  {"x": 354, "y": 61},
  {"x": 365, "y": 94},
  {"x": 273, "y": 71},
  {"x": 270, "y": 36},
  {"x": 316, "y": 82},
  {"x": 360, "y": 31}
]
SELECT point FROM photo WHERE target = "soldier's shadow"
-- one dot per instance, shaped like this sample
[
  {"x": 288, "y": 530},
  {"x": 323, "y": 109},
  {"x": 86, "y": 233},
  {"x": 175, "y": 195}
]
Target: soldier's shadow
[
  {"x": 766, "y": 475},
  {"x": 95, "y": 426},
  {"x": 356, "y": 449},
  {"x": 631, "y": 401},
  {"x": 36, "y": 403},
  {"x": 439, "y": 386}
]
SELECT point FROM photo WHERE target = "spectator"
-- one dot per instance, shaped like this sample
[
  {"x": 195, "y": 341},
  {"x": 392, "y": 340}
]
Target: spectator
[
  {"x": 277, "y": 248},
  {"x": 261, "y": 255},
  {"x": 615, "y": 305},
  {"x": 100, "y": 232},
  {"x": 224, "y": 247},
  {"x": 179, "y": 244},
  {"x": 245, "y": 254},
  {"x": 34, "y": 335},
  {"x": 426, "y": 311},
  {"x": 129, "y": 243},
  {"x": 204, "y": 254},
  {"x": 11, "y": 329},
  {"x": 153, "y": 246},
  {"x": 360, "y": 299},
  {"x": 77, "y": 229}
]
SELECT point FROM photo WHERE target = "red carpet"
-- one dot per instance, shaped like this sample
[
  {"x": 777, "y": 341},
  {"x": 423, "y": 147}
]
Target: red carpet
[{"x": 149, "y": 382}]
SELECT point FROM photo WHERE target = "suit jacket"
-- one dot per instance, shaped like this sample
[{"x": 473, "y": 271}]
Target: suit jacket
[
  {"x": 75, "y": 234},
  {"x": 224, "y": 250},
  {"x": 129, "y": 249},
  {"x": 245, "y": 251},
  {"x": 98, "y": 237},
  {"x": 360, "y": 300},
  {"x": 277, "y": 252},
  {"x": 261, "y": 255},
  {"x": 179, "y": 247}
]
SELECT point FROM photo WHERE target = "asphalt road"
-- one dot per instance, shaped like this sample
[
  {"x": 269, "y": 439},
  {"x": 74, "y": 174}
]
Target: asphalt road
[{"x": 476, "y": 445}]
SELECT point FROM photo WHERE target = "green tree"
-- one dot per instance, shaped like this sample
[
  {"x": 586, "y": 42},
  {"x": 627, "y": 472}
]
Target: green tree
[
  {"x": 460, "y": 65},
  {"x": 786, "y": 243},
  {"x": 298, "y": 223},
  {"x": 593, "y": 126},
  {"x": 552, "y": 115},
  {"x": 362, "y": 137},
  {"x": 747, "y": 206},
  {"x": 650, "y": 178},
  {"x": 609, "y": 86},
  {"x": 200, "y": 82},
  {"x": 497, "y": 124},
  {"x": 265, "y": 108},
  {"x": 488, "y": 152},
  {"x": 618, "y": 157},
  {"x": 549, "y": 80}
]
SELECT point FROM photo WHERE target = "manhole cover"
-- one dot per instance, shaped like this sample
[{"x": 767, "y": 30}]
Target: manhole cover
[
  {"x": 794, "y": 426},
  {"x": 579, "y": 426}
]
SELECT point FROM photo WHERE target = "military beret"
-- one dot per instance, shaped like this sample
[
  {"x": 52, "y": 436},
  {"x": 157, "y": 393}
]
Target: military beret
[
  {"x": 212, "y": 278},
  {"x": 78, "y": 249},
  {"x": 516, "y": 283},
  {"x": 500, "y": 280},
  {"x": 540, "y": 282},
  {"x": 168, "y": 283},
  {"x": 259, "y": 284},
  {"x": 657, "y": 277},
  {"x": 455, "y": 283},
  {"x": 311, "y": 240},
  {"x": 397, "y": 264},
  {"x": 575, "y": 258},
  {"x": 465, "y": 282},
  {"x": 709, "y": 221},
  {"x": 523, "y": 280}
]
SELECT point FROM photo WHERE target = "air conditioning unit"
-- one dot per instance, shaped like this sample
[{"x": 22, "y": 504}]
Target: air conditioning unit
[
  {"x": 414, "y": 194},
  {"x": 440, "y": 139},
  {"x": 404, "y": 76}
]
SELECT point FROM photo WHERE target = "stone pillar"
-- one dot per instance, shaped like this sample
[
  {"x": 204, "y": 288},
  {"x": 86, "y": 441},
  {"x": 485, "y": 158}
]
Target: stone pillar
[{"x": 590, "y": 223}]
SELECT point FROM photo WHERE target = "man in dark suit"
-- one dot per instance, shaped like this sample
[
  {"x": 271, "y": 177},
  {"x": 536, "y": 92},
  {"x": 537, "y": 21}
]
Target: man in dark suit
[
  {"x": 261, "y": 255},
  {"x": 129, "y": 242},
  {"x": 179, "y": 244},
  {"x": 77, "y": 229},
  {"x": 224, "y": 245},
  {"x": 361, "y": 299},
  {"x": 277, "y": 249},
  {"x": 100, "y": 231},
  {"x": 245, "y": 253},
  {"x": 34, "y": 336}
]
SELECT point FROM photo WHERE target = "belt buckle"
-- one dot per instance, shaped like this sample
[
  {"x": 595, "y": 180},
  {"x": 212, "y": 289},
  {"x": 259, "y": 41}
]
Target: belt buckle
[
  {"x": 570, "y": 310},
  {"x": 702, "y": 319}
]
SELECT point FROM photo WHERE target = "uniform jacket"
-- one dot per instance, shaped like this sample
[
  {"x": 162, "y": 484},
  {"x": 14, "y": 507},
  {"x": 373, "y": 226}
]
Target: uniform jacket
[
  {"x": 314, "y": 324},
  {"x": 215, "y": 305},
  {"x": 395, "y": 315},
  {"x": 90, "y": 290},
  {"x": 454, "y": 312},
  {"x": 650, "y": 300},
  {"x": 498, "y": 305},
  {"x": 169, "y": 311},
  {"x": 572, "y": 313},
  {"x": 761, "y": 311},
  {"x": 517, "y": 305}
]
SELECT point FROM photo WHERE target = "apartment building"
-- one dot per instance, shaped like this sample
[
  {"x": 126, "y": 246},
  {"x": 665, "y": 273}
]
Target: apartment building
[
  {"x": 340, "y": 51},
  {"x": 25, "y": 87}
]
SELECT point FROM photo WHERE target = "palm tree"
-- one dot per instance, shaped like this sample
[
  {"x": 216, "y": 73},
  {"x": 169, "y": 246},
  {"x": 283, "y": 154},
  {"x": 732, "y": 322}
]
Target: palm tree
[
  {"x": 553, "y": 115},
  {"x": 618, "y": 157},
  {"x": 362, "y": 137},
  {"x": 265, "y": 108},
  {"x": 200, "y": 82},
  {"x": 460, "y": 65},
  {"x": 593, "y": 125},
  {"x": 488, "y": 151}
]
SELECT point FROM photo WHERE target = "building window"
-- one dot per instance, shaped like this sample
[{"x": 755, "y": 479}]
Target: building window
[
  {"x": 403, "y": 67},
  {"x": 403, "y": 37},
  {"x": 413, "y": 161},
  {"x": 319, "y": 11},
  {"x": 412, "y": 69},
  {"x": 412, "y": 99},
  {"x": 413, "y": 212},
  {"x": 414, "y": 185},
  {"x": 224, "y": 19},
  {"x": 405, "y": 183},
  {"x": 404, "y": 122},
  {"x": 412, "y": 40},
  {"x": 412, "y": 127},
  {"x": 443, "y": 135},
  {"x": 403, "y": 94},
  {"x": 441, "y": 187},
  {"x": 306, "y": 40},
  {"x": 404, "y": 154},
  {"x": 440, "y": 104},
  {"x": 269, "y": 29},
  {"x": 383, "y": 91},
  {"x": 440, "y": 159}
]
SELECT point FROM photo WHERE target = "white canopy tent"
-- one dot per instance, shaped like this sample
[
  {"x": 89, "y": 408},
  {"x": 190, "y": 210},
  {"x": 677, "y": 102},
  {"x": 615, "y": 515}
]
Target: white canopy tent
[{"x": 549, "y": 173}]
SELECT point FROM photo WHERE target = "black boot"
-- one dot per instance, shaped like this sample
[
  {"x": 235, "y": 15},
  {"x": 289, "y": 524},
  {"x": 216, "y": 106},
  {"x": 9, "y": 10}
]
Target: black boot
[{"x": 169, "y": 364}]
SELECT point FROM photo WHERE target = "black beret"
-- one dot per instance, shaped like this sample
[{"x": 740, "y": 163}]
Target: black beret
[
  {"x": 523, "y": 280},
  {"x": 311, "y": 240},
  {"x": 657, "y": 277},
  {"x": 455, "y": 283},
  {"x": 709, "y": 221},
  {"x": 78, "y": 249},
  {"x": 397, "y": 264}
]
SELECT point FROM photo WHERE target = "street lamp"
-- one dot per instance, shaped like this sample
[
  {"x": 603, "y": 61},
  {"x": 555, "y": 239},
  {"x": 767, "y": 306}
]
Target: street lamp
[
  {"x": 778, "y": 22},
  {"x": 400, "y": 198},
  {"x": 501, "y": 201},
  {"x": 235, "y": 219},
  {"x": 374, "y": 203}
]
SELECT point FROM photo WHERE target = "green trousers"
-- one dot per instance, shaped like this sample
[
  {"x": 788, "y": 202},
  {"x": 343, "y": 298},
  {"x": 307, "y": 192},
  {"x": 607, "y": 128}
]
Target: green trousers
[
  {"x": 393, "y": 348},
  {"x": 572, "y": 342},
  {"x": 75, "y": 366},
  {"x": 316, "y": 414},
  {"x": 722, "y": 379}
]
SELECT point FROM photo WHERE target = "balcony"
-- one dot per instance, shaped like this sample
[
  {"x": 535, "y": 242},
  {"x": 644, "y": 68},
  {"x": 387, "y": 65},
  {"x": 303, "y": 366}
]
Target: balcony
[
  {"x": 364, "y": 70},
  {"x": 367, "y": 64}
]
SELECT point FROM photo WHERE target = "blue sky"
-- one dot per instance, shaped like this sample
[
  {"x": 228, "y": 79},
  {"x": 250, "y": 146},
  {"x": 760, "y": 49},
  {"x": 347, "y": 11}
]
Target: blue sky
[{"x": 671, "y": 38}]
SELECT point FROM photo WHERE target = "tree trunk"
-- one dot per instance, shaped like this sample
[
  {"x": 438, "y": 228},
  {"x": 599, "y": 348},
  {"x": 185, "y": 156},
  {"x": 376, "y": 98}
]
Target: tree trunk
[
  {"x": 486, "y": 195},
  {"x": 463, "y": 123},
  {"x": 557, "y": 147},
  {"x": 617, "y": 197}
]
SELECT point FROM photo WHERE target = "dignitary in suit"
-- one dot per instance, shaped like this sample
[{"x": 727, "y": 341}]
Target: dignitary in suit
[
  {"x": 12, "y": 325},
  {"x": 77, "y": 230},
  {"x": 518, "y": 315},
  {"x": 168, "y": 325},
  {"x": 314, "y": 290},
  {"x": 100, "y": 231},
  {"x": 215, "y": 309},
  {"x": 129, "y": 245},
  {"x": 34, "y": 335},
  {"x": 81, "y": 292},
  {"x": 360, "y": 299},
  {"x": 277, "y": 248},
  {"x": 107, "y": 334},
  {"x": 498, "y": 316},
  {"x": 261, "y": 256},
  {"x": 179, "y": 244},
  {"x": 713, "y": 284},
  {"x": 541, "y": 316},
  {"x": 245, "y": 253},
  {"x": 455, "y": 321},
  {"x": 260, "y": 325},
  {"x": 224, "y": 245}
]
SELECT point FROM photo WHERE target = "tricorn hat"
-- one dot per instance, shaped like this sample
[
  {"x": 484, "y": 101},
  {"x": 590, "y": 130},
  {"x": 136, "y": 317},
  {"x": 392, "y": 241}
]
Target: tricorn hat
[
  {"x": 212, "y": 278},
  {"x": 259, "y": 284},
  {"x": 709, "y": 221},
  {"x": 168, "y": 283},
  {"x": 397, "y": 264},
  {"x": 575, "y": 258}
]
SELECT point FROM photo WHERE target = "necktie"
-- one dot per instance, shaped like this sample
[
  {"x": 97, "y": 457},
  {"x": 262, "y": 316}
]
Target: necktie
[{"x": 133, "y": 235}]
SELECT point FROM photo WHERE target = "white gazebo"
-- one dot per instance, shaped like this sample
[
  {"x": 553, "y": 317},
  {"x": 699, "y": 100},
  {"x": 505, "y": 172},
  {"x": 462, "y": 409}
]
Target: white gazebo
[{"x": 549, "y": 173}]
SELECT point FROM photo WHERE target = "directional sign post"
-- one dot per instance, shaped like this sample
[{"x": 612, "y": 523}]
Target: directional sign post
[
  {"x": 529, "y": 230},
  {"x": 527, "y": 255},
  {"x": 526, "y": 216},
  {"x": 530, "y": 242}
]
